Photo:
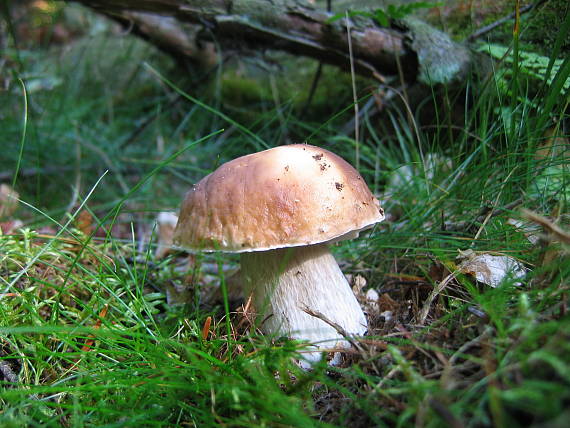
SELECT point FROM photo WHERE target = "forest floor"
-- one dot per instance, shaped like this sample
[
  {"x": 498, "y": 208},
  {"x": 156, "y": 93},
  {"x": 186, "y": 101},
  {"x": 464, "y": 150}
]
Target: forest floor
[{"x": 465, "y": 284}]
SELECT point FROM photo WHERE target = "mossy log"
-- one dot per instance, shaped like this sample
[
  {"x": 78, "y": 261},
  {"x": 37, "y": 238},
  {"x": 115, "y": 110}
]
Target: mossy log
[{"x": 190, "y": 29}]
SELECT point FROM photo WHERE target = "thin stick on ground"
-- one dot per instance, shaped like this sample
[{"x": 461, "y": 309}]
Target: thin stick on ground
[
  {"x": 338, "y": 328},
  {"x": 363, "y": 350},
  {"x": 485, "y": 213},
  {"x": 487, "y": 28},
  {"x": 548, "y": 226},
  {"x": 434, "y": 293},
  {"x": 443, "y": 411},
  {"x": 467, "y": 345}
]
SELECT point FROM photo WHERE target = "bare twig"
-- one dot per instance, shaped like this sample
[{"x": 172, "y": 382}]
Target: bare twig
[
  {"x": 387, "y": 377},
  {"x": 485, "y": 213},
  {"x": 338, "y": 328},
  {"x": 445, "y": 414},
  {"x": 548, "y": 226},
  {"x": 487, "y": 28},
  {"x": 434, "y": 293},
  {"x": 363, "y": 350},
  {"x": 313, "y": 89},
  {"x": 477, "y": 312},
  {"x": 474, "y": 342},
  {"x": 316, "y": 78}
]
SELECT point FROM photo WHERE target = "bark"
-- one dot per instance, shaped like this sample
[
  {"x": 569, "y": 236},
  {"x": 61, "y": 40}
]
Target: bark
[{"x": 190, "y": 28}]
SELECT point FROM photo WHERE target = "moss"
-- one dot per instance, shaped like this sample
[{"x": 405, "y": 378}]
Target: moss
[
  {"x": 246, "y": 89},
  {"x": 243, "y": 90}
]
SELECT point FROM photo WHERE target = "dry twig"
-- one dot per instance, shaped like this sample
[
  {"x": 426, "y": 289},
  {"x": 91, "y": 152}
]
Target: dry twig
[
  {"x": 487, "y": 28},
  {"x": 485, "y": 214},
  {"x": 363, "y": 350},
  {"x": 548, "y": 226},
  {"x": 434, "y": 293}
]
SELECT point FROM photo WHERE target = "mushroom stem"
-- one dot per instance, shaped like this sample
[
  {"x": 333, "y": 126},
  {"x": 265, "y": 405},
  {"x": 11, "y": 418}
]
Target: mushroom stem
[{"x": 285, "y": 281}]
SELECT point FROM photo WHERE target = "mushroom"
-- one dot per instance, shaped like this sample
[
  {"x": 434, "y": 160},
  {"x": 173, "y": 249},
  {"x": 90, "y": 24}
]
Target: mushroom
[{"x": 280, "y": 208}]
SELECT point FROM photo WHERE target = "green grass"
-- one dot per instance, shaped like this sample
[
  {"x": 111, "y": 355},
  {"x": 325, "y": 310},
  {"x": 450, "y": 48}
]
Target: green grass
[{"x": 86, "y": 335}]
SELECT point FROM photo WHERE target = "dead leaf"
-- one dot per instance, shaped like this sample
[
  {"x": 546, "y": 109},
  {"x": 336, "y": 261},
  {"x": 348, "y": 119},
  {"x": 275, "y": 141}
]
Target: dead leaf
[
  {"x": 357, "y": 283},
  {"x": 84, "y": 222},
  {"x": 386, "y": 303},
  {"x": 491, "y": 269},
  {"x": 206, "y": 328}
]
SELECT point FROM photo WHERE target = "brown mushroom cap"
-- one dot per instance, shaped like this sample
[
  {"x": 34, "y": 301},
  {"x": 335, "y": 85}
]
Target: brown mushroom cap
[{"x": 282, "y": 197}]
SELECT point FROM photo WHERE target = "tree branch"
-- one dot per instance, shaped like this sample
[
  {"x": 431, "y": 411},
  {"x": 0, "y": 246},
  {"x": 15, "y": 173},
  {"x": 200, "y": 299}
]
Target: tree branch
[{"x": 187, "y": 29}]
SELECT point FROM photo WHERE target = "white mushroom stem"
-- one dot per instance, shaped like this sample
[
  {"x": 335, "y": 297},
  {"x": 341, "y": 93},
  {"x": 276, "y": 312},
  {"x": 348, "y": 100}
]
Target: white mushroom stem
[{"x": 285, "y": 281}]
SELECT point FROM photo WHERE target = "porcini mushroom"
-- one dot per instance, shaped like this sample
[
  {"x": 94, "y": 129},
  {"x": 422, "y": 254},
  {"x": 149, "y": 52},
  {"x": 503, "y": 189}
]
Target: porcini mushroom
[{"x": 280, "y": 208}]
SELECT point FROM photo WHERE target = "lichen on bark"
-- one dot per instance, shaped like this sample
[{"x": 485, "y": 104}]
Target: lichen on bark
[{"x": 440, "y": 59}]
